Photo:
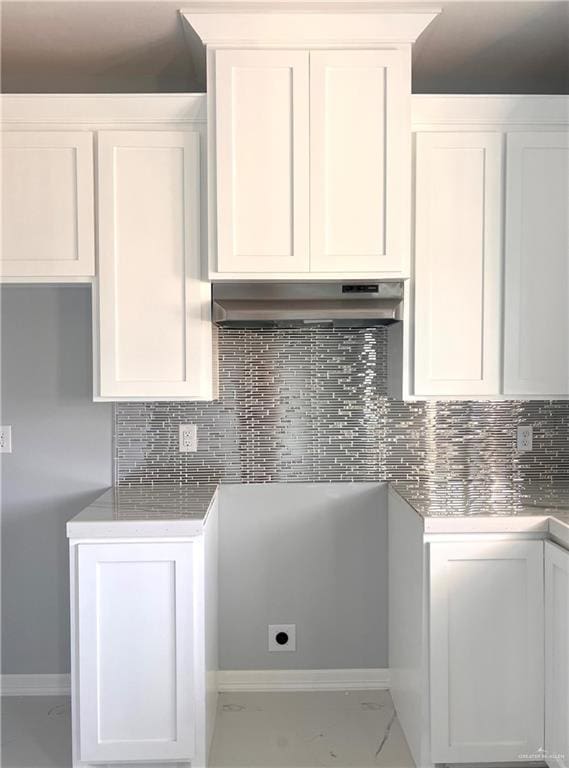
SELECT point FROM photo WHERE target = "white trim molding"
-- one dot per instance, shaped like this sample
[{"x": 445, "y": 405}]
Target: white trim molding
[
  {"x": 274, "y": 680},
  {"x": 505, "y": 112},
  {"x": 307, "y": 22},
  {"x": 35, "y": 685},
  {"x": 269, "y": 680},
  {"x": 102, "y": 108}
]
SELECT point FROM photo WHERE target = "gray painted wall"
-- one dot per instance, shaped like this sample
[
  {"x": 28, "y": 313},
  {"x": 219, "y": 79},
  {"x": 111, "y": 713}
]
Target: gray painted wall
[
  {"x": 61, "y": 461},
  {"x": 309, "y": 554}
]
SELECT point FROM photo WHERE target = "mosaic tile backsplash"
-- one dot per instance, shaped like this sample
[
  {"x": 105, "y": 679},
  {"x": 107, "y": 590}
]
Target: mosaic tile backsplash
[{"x": 310, "y": 405}]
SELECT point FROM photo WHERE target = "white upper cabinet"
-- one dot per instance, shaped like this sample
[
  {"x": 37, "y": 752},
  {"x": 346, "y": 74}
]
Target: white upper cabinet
[
  {"x": 311, "y": 150},
  {"x": 536, "y": 338},
  {"x": 48, "y": 215},
  {"x": 557, "y": 655},
  {"x": 458, "y": 264},
  {"x": 487, "y": 651},
  {"x": 262, "y": 161},
  {"x": 489, "y": 314},
  {"x": 309, "y": 137},
  {"x": 152, "y": 310},
  {"x": 359, "y": 155}
]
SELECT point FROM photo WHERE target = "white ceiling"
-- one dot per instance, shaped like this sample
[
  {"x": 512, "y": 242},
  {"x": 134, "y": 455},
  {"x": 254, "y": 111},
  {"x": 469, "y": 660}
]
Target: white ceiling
[{"x": 133, "y": 46}]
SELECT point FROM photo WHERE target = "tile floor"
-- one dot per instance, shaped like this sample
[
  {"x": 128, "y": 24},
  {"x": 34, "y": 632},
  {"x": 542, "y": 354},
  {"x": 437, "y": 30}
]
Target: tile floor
[{"x": 254, "y": 730}]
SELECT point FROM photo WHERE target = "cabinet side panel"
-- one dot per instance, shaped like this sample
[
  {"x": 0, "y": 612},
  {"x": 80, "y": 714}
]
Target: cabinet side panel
[
  {"x": 211, "y": 569},
  {"x": 406, "y": 631},
  {"x": 556, "y": 655}
]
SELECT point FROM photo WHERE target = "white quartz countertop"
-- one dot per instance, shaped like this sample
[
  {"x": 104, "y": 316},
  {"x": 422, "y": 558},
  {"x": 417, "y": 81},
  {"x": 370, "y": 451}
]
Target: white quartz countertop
[
  {"x": 451, "y": 507},
  {"x": 167, "y": 510},
  {"x": 464, "y": 508}
]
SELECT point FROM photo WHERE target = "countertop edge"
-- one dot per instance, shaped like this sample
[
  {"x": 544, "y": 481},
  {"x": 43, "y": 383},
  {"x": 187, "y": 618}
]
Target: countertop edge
[
  {"x": 541, "y": 522},
  {"x": 159, "y": 527}
]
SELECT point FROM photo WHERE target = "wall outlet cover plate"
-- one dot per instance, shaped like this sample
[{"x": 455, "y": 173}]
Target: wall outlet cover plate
[
  {"x": 6, "y": 439},
  {"x": 525, "y": 438},
  {"x": 188, "y": 436}
]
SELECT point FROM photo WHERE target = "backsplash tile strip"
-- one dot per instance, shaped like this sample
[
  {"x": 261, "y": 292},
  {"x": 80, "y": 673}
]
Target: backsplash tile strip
[{"x": 310, "y": 405}]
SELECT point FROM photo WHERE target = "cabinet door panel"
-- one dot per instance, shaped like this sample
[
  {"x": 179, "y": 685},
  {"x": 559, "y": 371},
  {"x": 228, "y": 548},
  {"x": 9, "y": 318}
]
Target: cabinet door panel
[
  {"x": 153, "y": 308},
  {"x": 262, "y": 160},
  {"x": 458, "y": 264},
  {"x": 359, "y": 154},
  {"x": 135, "y": 652},
  {"x": 556, "y": 655},
  {"x": 486, "y": 651},
  {"x": 47, "y": 204},
  {"x": 537, "y": 265}
]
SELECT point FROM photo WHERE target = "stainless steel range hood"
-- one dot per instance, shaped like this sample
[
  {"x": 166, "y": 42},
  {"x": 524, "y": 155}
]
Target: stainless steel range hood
[{"x": 292, "y": 305}]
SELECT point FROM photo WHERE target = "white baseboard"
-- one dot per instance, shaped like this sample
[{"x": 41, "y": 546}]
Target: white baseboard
[
  {"x": 303, "y": 680},
  {"x": 35, "y": 685},
  {"x": 228, "y": 681}
]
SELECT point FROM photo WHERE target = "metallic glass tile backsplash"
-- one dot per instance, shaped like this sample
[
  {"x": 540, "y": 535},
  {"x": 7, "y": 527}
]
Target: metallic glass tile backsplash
[{"x": 311, "y": 405}]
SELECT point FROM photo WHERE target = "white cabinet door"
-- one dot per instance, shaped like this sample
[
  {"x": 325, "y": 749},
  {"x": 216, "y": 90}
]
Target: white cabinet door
[
  {"x": 458, "y": 265},
  {"x": 153, "y": 308},
  {"x": 48, "y": 213},
  {"x": 487, "y": 646},
  {"x": 360, "y": 157},
  {"x": 135, "y": 652},
  {"x": 261, "y": 139},
  {"x": 556, "y": 656},
  {"x": 536, "y": 336}
]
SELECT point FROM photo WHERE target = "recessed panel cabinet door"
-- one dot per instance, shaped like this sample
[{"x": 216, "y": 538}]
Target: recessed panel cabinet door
[
  {"x": 556, "y": 655},
  {"x": 135, "y": 652},
  {"x": 153, "y": 309},
  {"x": 48, "y": 212},
  {"x": 359, "y": 161},
  {"x": 536, "y": 337},
  {"x": 262, "y": 160},
  {"x": 458, "y": 265},
  {"x": 487, "y": 646}
]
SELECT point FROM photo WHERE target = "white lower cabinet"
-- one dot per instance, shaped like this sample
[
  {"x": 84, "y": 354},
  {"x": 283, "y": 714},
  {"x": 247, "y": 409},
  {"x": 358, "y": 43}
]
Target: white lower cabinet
[
  {"x": 144, "y": 650},
  {"x": 486, "y": 651},
  {"x": 556, "y": 656}
]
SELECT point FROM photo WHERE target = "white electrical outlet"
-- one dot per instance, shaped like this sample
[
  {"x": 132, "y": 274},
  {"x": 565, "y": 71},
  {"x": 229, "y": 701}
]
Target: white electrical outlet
[
  {"x": 5, "y": 439},
  {"x": 282, "y": 637},
  {"x": 188, "y": 438},
  {"x": 525, "y": 438}
]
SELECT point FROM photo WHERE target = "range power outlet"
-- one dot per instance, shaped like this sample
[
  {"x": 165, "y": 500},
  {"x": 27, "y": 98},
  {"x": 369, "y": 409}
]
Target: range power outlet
[
  {"x": 188, "y": 438},
  {"x": 282, "y": 637}
]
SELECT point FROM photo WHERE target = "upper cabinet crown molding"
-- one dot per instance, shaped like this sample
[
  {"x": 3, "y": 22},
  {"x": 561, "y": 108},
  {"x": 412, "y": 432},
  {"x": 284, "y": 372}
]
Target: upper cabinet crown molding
[
  {"x": 315, "y": 22},
  {"x": 95, "y": 109},
  {"x": 467, "y": 111}
]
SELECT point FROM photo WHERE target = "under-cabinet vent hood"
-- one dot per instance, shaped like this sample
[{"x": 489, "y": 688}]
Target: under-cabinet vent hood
[{"x": 292, "y": 305}]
